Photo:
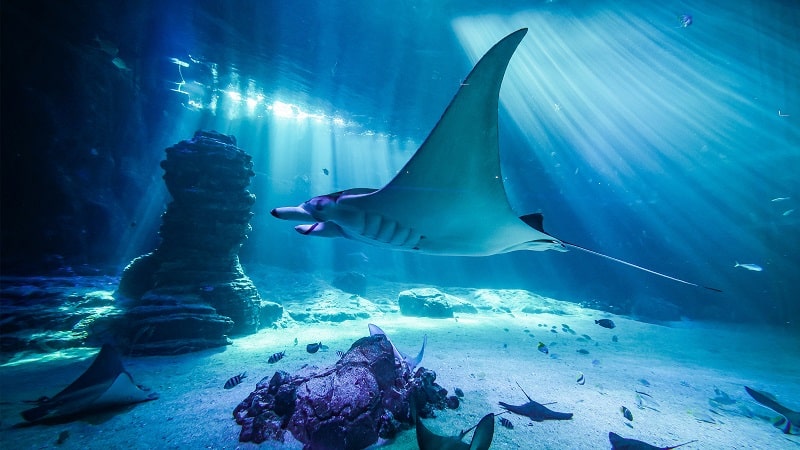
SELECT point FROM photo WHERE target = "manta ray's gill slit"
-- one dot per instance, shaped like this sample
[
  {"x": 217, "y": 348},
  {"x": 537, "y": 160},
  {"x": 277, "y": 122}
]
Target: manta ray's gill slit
[
  {"x": 372, "y": 225},
  {"x": 386, "y": 231},
  {"x": 402, "y": 237}
]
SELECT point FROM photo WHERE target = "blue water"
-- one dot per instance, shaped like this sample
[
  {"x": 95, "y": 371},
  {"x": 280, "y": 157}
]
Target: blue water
[{"x": 654, "y": 143}]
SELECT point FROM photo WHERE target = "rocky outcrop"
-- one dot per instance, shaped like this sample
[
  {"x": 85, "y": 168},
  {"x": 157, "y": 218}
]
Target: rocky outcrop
[
  {"x": 365, "y": 396},
  {"x": 191, "y": 292},
  {"x": 430, "y": 302}
]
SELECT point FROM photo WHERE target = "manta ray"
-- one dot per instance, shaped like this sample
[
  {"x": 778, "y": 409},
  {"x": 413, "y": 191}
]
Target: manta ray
[
  {"x": 449, "y": 198},
  {"x": 105, "y": 385}
]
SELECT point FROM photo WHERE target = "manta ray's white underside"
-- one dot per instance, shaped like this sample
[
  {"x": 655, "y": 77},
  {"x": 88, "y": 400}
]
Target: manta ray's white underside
[{"x": 449, "y": 198}]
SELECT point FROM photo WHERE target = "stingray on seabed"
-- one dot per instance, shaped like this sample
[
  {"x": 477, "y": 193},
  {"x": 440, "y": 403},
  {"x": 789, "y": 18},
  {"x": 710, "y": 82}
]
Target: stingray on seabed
[
  {"x": 449, "y": 198},
  {"x": 105, "y": 385}
]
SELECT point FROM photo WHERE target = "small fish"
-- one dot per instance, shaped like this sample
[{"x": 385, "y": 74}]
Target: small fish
[
  {"x": 581, "y": 380},
  {"x": 339, "y": 353},
  {"x": 62, "y": 437},
  {"x": 583, "y": 351},
  {"x": 325, "y": 171},
  {"x": 235, "y": 380},
  {"x": 313, "y": 348},
  {"x": 685, "y": 20},
  {"x": 614, "y": 338},
  {"x": 626, "y": 413},
  {"x": 780, "y": 199},
  {"x": 295, "y": 341},
  {"x": 587, "y": 337},
  {"x": 644, "y": 382},
  {"x": 753, "y": 267},
  {"x": 596, "y": 362},
  {"x": 459, "y": 393},
  {"x": 506, "y": 423},
  {"x": 276, "y": 357},
  {"x": 605, "y": 323},
  {"x": 120, "y": 64},
  {"x": 542, "y": 348},
  {"x": 787, "y": 212},
  {"x": 106, "y": 46}
]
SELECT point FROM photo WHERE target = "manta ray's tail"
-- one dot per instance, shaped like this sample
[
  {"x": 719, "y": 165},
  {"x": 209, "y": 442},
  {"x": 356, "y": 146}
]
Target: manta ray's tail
[{"x": 569, "y": 244}]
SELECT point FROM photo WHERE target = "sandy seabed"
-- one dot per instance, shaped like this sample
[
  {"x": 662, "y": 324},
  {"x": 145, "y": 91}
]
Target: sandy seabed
[{"x": 681, "y": 366}]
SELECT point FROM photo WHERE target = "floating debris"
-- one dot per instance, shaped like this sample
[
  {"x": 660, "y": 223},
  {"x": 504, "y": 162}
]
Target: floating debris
[
  {"x": 295, "y": 341},
  {"x": 542, "y": 348},
  {"x": 313, "y": 348},
  {"x": 506, "y": 423},
  {"x": 626, "y": 413},
  {"x": 339, "y": 353},
  {"x": 614, "y": 338},
  {"x": 235, "y": 380},
  {"x": 685, "y": 20},
  {"x": 605, "y": 323},
  {"x": 276, "y": 357},
  {"x": 596, "y": 362},
  {"x": 581, "y": 380}
]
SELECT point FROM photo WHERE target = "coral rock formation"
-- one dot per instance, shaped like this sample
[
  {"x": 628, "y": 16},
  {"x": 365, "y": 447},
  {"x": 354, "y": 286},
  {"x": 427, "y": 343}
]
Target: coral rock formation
[
  {"x": 366, "y": 395},
  {"x": 191, "y": 291}
]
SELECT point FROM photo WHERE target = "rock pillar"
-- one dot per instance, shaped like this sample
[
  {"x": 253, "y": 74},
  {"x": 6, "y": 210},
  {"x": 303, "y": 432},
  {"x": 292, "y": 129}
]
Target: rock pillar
[{"x": 191, "y": 292}]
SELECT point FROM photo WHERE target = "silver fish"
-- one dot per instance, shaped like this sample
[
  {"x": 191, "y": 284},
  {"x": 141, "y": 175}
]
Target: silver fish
[
  {"x": 787, "y": 212},
  {"x": 753, "y": 267},
  {"x": 780, "y": 199}
]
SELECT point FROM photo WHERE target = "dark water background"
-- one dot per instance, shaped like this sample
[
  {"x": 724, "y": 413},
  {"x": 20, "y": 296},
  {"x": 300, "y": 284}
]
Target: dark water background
[{"x": 655, "y": 143}]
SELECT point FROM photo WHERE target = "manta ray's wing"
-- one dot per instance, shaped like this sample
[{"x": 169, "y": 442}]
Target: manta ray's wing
[
  {"x": 104, "y": 384},
  {"x": 450, "y": 193},
  {"x": 481, "y": 439}
]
